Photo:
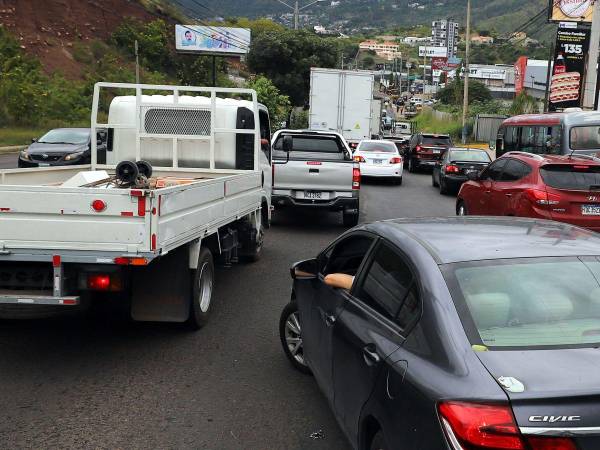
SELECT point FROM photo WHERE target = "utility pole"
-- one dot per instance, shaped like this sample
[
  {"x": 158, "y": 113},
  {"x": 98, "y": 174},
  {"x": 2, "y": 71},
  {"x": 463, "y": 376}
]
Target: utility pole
[
  {"x": 589, "y": 89},
  {"x": 296, "y": 8},
  {"x": 297, "y": 16},
  {"x": 137, "y": 63},
  {"x": 466, "y": 82},
  {"x": 548, "y": 75}
]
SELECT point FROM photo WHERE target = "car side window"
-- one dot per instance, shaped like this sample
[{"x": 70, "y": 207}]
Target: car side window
[
  {"x": 494, "y": 170},
  {"x": 510, "y": 139},
  {"x": 514, "y": 171},
  {"x": 265, "y": 133},
  {"x": 386, "y": 284},
  {"x": 346, "y": 256}
]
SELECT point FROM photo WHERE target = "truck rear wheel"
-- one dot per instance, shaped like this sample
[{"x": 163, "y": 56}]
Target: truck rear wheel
[
  {"x": 202, "y": 289},
  {"x": 255, "y": 247}
]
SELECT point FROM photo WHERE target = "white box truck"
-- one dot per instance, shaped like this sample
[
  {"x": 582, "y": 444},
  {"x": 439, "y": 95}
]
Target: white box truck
[
  {"x": 70, "y": 235},
  {"x": 341, "y": 101}
]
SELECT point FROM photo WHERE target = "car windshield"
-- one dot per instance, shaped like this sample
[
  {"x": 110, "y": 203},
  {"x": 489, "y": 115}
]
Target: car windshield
[
  {"x": 436, "y": 140},
  {"x": 379, "y": 147},
  {"x": 577, "y": 177},
  {"x": 65, "y": 136},
  {"x": 310, "y": 147},
  {"x": 469, "y": 155},
  {"x": 585, "y": 137},
  {"x": 529, "y": 303}
]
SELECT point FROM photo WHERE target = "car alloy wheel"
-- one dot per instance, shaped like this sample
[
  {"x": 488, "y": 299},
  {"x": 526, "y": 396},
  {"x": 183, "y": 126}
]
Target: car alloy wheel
[
  {"x": 293, "y": 337},
  {"x": 461, "y": 209}
]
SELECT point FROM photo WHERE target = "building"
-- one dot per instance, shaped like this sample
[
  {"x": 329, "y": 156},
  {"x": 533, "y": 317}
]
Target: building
[
  {"x": 499, "y": 78},
  {"x": 482, "y": 40},
  {"x": 444, "y": 33},
  {"x": 414, "y": 40},
  {"x": 385, "y": 50}
]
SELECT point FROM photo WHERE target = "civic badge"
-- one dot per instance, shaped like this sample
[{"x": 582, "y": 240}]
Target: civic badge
[{"x": 511, "y": 384}]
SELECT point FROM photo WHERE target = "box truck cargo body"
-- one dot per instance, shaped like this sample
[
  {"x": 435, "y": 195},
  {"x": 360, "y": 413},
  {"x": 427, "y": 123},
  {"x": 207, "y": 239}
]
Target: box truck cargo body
[{"x": 341, "y": 101}]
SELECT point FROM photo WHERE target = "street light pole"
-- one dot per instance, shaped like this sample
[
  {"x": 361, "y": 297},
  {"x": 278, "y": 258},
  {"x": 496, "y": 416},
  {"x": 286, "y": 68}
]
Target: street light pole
[{"x": 466, "y": 82}]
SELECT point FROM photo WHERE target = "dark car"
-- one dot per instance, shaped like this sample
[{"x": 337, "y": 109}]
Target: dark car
[
  {"x": 61, "y": 147},
  {"x": 454, "y": 333},
  {"x": 556, "y": 187},
  {"x": 426, "y": 149},
  {"x": 451, "y": 171}
]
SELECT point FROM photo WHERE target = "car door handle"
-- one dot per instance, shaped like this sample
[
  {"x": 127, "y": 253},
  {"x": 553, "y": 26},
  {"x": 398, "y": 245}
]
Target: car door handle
[
  {"x": 329, "y": 319},
  {"x": 370, "y": 355}
]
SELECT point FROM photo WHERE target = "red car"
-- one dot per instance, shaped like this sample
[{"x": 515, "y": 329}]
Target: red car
[{"x": 555, "y": 187}]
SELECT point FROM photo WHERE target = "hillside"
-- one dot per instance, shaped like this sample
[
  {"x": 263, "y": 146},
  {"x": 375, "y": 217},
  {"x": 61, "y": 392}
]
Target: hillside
[
  {"x": 50, "y": 29},
  {"x": 501, "y": 15}
]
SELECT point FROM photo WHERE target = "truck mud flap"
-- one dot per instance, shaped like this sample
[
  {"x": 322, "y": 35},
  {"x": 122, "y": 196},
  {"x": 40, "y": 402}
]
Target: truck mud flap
[{"x": 161, "y": 291}]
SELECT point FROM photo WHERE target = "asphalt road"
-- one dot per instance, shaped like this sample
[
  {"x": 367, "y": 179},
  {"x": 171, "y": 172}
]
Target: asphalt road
[
  {"x": 103, "y": 382},
  {"x": 8, "y": 160}
]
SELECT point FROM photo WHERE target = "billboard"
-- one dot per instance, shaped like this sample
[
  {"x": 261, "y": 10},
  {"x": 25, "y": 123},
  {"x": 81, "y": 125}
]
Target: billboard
[
  {"x": 433, "y": 51},
  {"x": 488, "y": 73},
  {"x": 571, "y": 10},
  {"x": 520, "y": 72},
  {"x": 439, "y": 62},
  {"x": 569, "y": 68},
  {"x": 212, "y": 40}
]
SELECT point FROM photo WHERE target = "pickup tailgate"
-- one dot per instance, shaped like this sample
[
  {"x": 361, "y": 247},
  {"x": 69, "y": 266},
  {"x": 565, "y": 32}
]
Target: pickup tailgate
[
  {"x": 324, "y": 176},
  {"x": 55, "y": 218}
]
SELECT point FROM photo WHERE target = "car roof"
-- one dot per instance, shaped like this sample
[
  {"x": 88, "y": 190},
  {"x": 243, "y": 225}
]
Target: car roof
[
  {"x": 378, "y": 141},
  {"x": 435, "y": 135},
  {"x": 542, "y": 160},
  {"x": 461, "y": 239},
  {"x": 466, "y": 149}
]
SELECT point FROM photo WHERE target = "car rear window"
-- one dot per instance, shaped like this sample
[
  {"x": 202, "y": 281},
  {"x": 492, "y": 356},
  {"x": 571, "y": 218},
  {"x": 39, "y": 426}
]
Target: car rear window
[
  {"x": 577, "y": 177},
  {"x": 380, "y": 147},
  {"x": 475, "y": 156},
  {"x": 311, "y": 147},
  {"x": 440, "y": 140},
  {"x": 529, "y": 303},
  {"x": 585, "y": 137}
]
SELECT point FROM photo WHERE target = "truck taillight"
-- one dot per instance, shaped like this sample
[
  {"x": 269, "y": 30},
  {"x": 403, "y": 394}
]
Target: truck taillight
[
  {"x": 103, "y": 282},
  {"x": 356, "y": 178},
  {"x": 451, "y": 168},
  {"x": 126, "y": 261},
  {"x": 98, "y": 205}
]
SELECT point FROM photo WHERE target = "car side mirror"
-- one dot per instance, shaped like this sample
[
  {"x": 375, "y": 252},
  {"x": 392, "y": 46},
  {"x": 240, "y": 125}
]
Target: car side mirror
[
  {"x": 288, "y": 144},
  {"x": 33, "y": 140},
  {"x": 473, "y": 176},
  {"x": 99, "y": 142},
  {"x": 305, "y": 270}
]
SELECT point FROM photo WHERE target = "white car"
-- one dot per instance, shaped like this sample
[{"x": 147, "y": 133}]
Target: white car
[{"x": 379, "y": 159}]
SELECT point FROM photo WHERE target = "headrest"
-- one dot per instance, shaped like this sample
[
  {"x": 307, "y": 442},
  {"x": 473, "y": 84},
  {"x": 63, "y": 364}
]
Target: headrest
[{"x": 490, "y": 309}]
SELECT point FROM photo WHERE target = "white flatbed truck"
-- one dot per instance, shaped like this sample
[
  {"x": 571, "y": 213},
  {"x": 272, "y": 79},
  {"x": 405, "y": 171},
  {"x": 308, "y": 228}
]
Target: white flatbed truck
[{"x": 62, "y": 245}]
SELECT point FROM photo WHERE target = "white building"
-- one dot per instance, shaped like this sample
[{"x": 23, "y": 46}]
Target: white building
[
  {"x": 414, "y": 40},
  {"x": 385, "y": 50},
  {"x": 444, "y": 33}
]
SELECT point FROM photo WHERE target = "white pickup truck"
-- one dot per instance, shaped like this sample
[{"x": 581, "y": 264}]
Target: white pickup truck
[
  {"x": 314, "y": 169},
  {"x": 69, "y": 234}
]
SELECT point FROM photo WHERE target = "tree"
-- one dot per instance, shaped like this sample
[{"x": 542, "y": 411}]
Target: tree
[
  {"x": 523, "y": 104},
  {"x": 368, "y": 62},
  {"x": 267, "y": 94},
  {"x": 286, "y": 58},
  {"x": 452, "y": 94}
]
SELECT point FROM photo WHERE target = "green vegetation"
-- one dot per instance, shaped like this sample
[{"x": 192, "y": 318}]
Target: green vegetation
[
  {"x": 277, "y": 104},
  {"x": 19, "y": 136},
  {"x": 428, "y": 121}
]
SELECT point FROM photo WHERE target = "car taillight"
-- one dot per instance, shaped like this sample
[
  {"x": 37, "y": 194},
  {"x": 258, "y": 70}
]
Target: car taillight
[
  {"x": 356, "y": 178},
  {"x": 359, "y": 158},
  {"x": 491, "y": 426},
  {"x": 396, "y": 160},
  {"x": 418, "y": 148},
  {"x": 542, "y": 198},
  {"x": 451, "y": 168}
]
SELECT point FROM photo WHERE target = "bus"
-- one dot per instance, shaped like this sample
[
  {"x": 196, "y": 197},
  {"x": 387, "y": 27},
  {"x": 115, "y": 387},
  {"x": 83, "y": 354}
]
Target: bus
[{"x": 559, "y": 133}]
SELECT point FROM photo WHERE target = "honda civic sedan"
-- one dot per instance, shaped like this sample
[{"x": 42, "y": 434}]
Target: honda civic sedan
[{"x": 454, "y": 333}]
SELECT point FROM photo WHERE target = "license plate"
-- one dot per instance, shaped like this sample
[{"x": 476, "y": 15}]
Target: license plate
[
  {"x": 313, "y": 195},
  {"x": 471, "y": 170},
  {"x": 436, "y": 151},
  {"x": 378, "y": 161},
  {"x": 590, "y": 210},
  {"x": 43, "y": 164}
]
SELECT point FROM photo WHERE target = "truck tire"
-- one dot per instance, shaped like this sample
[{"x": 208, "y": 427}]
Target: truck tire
[
  {"x": 255, "y": 248},
  {"x": 291, "y": 337},
  {"x": 350, "y": 219},
  {"x": 202, "y": 289}
]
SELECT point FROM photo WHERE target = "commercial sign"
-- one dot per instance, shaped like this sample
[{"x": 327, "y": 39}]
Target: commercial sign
[
  {"x": 433, "y": 51},
  {"x": 452, "y": 64},
  {"x": 571, "y": 10},
  {"x": 489, "y": 73},
  {"x": 569, "y": 67},
  {"x": 520, "y": 72},
  {"x": 439, "y": 62},
  {"x": 212, "y": 40}
]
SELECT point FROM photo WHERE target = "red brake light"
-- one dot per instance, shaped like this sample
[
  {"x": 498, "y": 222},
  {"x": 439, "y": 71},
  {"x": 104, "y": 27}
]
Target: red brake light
[
  {"x": 418, "y": 148},
  {"x": 98, "y": 205},
  {"x": 396, "y": 160},
  {"x": 356, "y": 178},
  {"x": 578, "y": 167},
  {"x": 314, "y": 163},
  {"x": 451, "y": 168},
  {"x": 98, "y": 282},
  {"x": 542, "y": 198},
  {"x": 359, "y": 158},
  {"x": 473, "y": 425}
]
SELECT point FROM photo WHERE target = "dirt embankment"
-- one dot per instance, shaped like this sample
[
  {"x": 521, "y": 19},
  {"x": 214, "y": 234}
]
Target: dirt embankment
[{"x": 50, "y": 28}]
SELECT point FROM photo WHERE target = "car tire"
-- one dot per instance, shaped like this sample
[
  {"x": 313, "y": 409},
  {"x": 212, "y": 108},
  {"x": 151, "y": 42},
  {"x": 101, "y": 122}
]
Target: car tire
[
  {"x": 202, "y": 290},
  {"x": 443, "y": 187},
  {"x": 412, "y": 165},
  {"x": 461, "y": 208},
  {"x": 378, "y": 442},
  {"x": 290, "y": 334},
  {"x": 399, "y": 181},
  {"x": 433, "y": 182},
  {"x": 350, "y": 219}
]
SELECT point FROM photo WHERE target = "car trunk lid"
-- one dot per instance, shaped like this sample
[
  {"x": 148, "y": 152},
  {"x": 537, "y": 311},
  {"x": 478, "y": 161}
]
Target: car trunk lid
[
  {"x": 465, "y": 167},
  {"x": 560, "y": 393}
]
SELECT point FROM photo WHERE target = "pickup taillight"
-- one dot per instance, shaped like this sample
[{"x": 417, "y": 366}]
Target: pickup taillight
[{"x": 356, "y": 177}]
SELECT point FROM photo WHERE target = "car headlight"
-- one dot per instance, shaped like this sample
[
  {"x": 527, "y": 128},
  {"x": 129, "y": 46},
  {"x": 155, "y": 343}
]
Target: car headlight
[
  {"x": 73, "y": 156},
  {"x": 25, "y": 155}
]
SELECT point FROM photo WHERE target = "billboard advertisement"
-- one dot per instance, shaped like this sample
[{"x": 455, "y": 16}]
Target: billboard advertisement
[
  {"x": 433, "y": 51},
  {"x": 212, "y": 40},
  {"x": 439, "y": 62},
  {"x": 520, "y": 72},
  {"x": 569, "y": 67},
  {"x": 571, "y": 11}
]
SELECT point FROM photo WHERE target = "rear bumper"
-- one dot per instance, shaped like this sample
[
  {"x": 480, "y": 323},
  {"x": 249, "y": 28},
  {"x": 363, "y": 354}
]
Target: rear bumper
[
  {"x": 454, "y": 181},
  {"x": 381, "y": 171},
  {"x": 337, "y": 204}
]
